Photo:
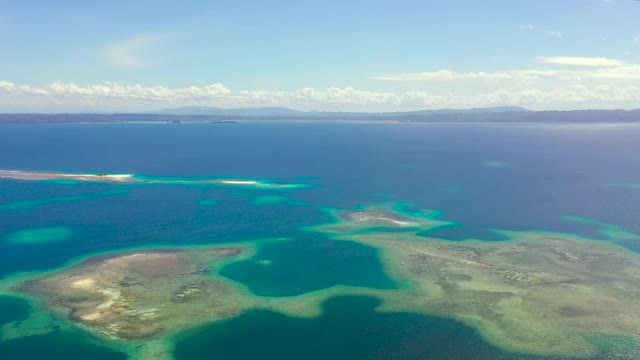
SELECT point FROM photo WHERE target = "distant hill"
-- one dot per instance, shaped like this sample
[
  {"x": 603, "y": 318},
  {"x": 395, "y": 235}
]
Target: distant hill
[
  {"x": 488, "y": 110},
  {"x": 283, "y": 111},
  {"x": 485, "y": 115}
]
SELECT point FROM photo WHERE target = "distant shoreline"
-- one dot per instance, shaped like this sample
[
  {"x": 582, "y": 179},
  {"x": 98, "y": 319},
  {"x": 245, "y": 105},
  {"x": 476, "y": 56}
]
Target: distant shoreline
[{"x": 574, "y": 116}]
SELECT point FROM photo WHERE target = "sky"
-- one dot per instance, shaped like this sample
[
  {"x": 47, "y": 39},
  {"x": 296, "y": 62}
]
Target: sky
[{"x": 401, "y": 55}]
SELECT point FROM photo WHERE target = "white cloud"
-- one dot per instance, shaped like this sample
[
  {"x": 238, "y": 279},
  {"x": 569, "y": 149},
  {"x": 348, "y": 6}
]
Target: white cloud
[
  {"x": 560, "y": 83},
  {"x": 555, "y": 34},
  {"x": 622, "y": 73},
  {"x": 136, "y": 51},
  {"x": 528, "y": 27},
  {"x": 579, "y": 61},
  {"x": 450, "y": 75},
  {"x": 568, "y": 69},
  {"x": 116, "y": 97},
  {"x": 636, "y": 40}
]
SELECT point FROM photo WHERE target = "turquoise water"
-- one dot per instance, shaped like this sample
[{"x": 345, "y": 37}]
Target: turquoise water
[
  {"x": 57, "y": 344},
  {"x": 349, "y": 329},
  {"x": 288, "y": 268},
  {"x": 551, "y": 172}
]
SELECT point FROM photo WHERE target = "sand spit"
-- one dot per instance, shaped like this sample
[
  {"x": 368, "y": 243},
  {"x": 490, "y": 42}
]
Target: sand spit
[
  {"x": 378, "y": 217},
  {"x": 135, "y": 179},
  {"x": 238, "y": 182},
  {"x": 375, "y": 217},
  {"x": 44, "y": 175}
]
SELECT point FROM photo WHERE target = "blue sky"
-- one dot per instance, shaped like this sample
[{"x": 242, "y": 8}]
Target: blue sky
[{"x": 319, "y": 55}]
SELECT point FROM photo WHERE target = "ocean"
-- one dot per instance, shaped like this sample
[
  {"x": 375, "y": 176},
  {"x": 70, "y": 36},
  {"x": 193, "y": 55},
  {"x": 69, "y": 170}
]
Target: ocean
[{"x": 581, "y": 179}]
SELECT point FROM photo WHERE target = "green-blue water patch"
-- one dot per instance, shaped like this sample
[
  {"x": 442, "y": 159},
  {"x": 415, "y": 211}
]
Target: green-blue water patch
[
  {"x": 495, "y": 164},
  {"x": 350, "y": 328},
  {"x": 32, "y": 204},
  {"x": 610, "y": 232},
  {"x": 617, "y": 346},
  {"x": 139, "y": 217},
  {"x": 208, "y": 202},
  {"x": 390, "y": 229},
  {"x": 288, "y": 268},
  {"x": 68, "y": 345},
  {"x": 62, "y": 181},
  {"x": 12, "y": 309},
  {"x": 39, "y": 235},
  {"x": 631, "y": 244},
  {"x": 57, "y": 344},
  {"x": 275, "y": 199},
  {"x": 240, "y": 193},
  {"x": 456, "y": 232}
]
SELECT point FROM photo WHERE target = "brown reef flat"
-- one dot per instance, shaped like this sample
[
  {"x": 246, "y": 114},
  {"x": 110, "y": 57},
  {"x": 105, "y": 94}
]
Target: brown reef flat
[
  {"x": 142, "y": 294},
  {"x": 539, "y": 292}
]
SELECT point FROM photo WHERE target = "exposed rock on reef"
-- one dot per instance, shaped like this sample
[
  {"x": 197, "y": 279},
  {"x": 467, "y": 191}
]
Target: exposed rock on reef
[{"x": 142, "y": 294}]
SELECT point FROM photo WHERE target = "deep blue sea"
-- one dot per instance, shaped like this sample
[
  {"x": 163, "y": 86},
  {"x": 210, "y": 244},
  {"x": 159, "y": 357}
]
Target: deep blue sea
[{"x": 483, "y": 176}]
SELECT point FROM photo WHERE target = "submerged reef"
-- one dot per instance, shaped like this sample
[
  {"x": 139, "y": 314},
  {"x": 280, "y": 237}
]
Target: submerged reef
[
  {"x": 544, "y": 293},
  {"x": 349, "y": 328},
  {"x": 39, "y": 235},
  {"x": 64, "y": 177},
  {"x": 137, "y": 295},
  {"x": 32, "y": 204},
  {"x": 275, "y": 200},
  {"x": 137, "y": 300},
  {"x": 538, "y": 292},
  {"x": 379, "y": 217}
]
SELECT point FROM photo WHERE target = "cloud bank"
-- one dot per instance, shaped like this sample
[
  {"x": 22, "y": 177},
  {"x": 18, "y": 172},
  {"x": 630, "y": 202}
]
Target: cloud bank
[
  {"x": 580, "y": 61},
  {"x": 561, "y": 83},
  {"x": 115, "y": 97},
  {"x": 574, "y": 69}
]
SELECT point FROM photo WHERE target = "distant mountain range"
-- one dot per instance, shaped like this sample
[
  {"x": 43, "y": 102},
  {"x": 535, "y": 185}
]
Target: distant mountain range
[
  {"x": 216, "y": 115},
  {"x": 283, "y": 111}
]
